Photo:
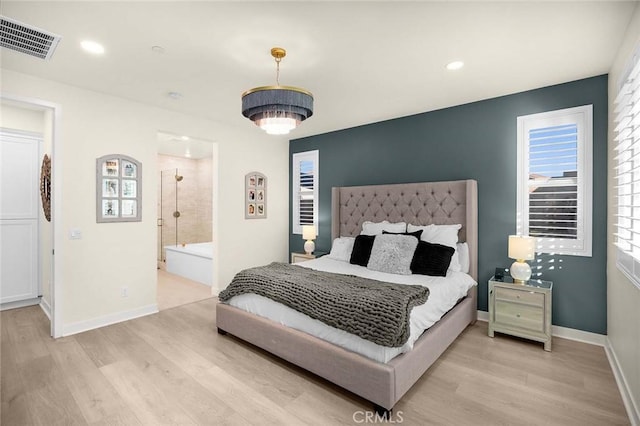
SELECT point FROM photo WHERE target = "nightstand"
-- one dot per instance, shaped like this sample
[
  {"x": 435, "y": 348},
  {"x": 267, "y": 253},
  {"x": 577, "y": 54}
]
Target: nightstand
[
  {"x": 301, "y": 257},
  {"x": 522, "y": 310}
]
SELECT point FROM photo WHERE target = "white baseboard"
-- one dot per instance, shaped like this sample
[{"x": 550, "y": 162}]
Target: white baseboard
[
  {"x": 579, "y": 335},
  {"x": 564, "y": 332},
  {"x": 633, "y": 411},
  {"x": 483, "y": 316},
  {"x": 19, "y": 304},
  {"x": 93, "y": 323},
  {"x": 46, "y": 308}
]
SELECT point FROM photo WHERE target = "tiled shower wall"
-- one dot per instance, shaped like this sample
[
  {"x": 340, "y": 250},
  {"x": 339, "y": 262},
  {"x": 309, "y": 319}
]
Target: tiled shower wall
[{"x": 194, "y": 200}]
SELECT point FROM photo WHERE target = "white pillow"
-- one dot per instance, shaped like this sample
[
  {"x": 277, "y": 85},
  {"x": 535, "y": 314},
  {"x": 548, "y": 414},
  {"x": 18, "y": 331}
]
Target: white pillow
[
  {"x": 463, "y": 256},
  {"x": 341, "y": 248},
  {"x": 376, "y": 228},
  {"x": 447, "y": 235},
  {"x": 392, "y": 254}
]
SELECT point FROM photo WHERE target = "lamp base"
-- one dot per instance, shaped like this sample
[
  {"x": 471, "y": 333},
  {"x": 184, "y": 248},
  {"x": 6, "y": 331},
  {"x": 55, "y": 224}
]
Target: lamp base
[
  {"x": 520, "y": 271},
  {"x": 309, "y": 246}
]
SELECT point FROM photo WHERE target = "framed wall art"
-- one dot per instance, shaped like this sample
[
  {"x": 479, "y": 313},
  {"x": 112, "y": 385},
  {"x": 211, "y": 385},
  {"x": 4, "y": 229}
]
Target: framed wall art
[
  {"x": 255, "y": 194},
  {"x": 118, "y": 189}
]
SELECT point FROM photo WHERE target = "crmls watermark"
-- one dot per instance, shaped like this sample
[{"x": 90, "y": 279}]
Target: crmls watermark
[{"x": 369, "y": 417}]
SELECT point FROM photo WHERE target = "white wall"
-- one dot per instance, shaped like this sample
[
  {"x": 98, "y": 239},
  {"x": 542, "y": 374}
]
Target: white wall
[
  {"x": 112, "y": 255},
  {"x": 13, "y": 116},
  {"x": 623, "y": 298}
]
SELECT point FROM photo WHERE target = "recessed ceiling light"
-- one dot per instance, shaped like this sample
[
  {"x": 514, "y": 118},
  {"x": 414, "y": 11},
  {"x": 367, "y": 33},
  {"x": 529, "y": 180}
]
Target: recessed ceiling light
[
  {"x": 184, "y": 138},
  {"x": 174, "y": 95},
  {"x": 92, "y": 47},
  {"x": 157, "y": 49},
  {"x": 455, "y": 65}
]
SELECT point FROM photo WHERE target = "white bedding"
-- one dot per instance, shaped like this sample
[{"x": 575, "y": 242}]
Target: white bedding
[{"x": 444, "y": 292}]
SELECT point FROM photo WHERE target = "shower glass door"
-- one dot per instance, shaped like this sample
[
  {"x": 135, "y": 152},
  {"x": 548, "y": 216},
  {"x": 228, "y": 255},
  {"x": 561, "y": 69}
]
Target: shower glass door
[{"x": 169, "y": 212}]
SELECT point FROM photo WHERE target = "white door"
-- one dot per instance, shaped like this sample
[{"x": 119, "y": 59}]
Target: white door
[{"x": 19, "y": 209}]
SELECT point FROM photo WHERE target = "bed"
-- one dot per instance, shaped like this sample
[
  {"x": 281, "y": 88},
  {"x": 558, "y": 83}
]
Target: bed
[{"x": 384, "y": 384}]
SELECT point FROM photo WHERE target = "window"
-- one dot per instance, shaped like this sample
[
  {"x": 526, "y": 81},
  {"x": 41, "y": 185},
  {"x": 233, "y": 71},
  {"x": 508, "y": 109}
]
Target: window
[
  {"x": 305, "y": 190},
  {"x": 627, "y": 137},
  {"x": 555, "y": 180}
]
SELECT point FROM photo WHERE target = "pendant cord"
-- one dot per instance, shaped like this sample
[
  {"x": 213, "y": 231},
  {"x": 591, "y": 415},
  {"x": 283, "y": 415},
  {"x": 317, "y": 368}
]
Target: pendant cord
[{"x": 278, "y": 71}]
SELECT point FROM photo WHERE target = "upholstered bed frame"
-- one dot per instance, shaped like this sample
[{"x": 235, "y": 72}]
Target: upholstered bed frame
[{"x": 383, "y": 384}]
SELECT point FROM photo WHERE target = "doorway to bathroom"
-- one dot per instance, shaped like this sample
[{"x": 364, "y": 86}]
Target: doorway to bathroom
[{"x": 185, "y": 248}]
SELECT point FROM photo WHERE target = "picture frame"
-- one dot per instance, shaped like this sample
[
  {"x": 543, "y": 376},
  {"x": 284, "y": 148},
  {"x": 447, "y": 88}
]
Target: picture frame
[
  {"x": 110, "y": 187},
  {"x": 255, "y": 193},
  {"x": 109, "y": 208},
  {"x": 110, "y": 167},
  {"x": 118, "y": 189},
  {"x": 129, "y": 169},
  {"x": 129, "y": 208},
  {"x": 129, "y": 188}
]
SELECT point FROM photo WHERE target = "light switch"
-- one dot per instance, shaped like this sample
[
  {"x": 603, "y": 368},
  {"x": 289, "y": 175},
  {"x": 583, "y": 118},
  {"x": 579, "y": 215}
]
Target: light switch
[{"x": 75, "y": 234}]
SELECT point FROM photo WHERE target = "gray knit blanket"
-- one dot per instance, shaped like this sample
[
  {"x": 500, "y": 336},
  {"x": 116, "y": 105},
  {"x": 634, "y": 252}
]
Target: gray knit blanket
[{"x": 374, "y": 310}]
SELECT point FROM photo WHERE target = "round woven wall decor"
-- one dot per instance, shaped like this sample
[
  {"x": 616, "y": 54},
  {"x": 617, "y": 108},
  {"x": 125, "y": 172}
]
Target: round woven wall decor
[{"x": 45, "y": 186}]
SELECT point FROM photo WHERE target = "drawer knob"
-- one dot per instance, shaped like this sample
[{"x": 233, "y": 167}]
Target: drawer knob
[
  {"x": 518, "y": 296},
  {"x": 518, "y": 315}
]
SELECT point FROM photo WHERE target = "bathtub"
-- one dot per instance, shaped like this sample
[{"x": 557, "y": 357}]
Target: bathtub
[{"x": 193, "y": 261}]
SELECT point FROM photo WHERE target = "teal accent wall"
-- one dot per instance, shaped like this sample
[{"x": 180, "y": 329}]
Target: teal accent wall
[{"x": 477, "y": 141}]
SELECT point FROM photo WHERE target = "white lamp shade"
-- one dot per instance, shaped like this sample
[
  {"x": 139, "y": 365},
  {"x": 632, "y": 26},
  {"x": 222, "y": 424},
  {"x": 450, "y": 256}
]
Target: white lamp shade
[
  {"x": 522, "y": 247},
  {"x": 308, "y": 232}
]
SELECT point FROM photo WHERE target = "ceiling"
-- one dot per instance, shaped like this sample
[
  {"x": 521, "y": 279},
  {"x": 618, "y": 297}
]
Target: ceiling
[{"x": 363, "y": 61}]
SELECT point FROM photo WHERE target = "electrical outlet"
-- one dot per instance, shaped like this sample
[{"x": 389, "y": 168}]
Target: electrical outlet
[{"x": 124, "y": 292}]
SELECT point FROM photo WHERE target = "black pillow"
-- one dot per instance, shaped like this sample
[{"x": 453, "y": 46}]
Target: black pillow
[
  {"x": 362, "y": 250},
  {"x": 431, "y": 259},
  {"x": 416, "y": 234}
]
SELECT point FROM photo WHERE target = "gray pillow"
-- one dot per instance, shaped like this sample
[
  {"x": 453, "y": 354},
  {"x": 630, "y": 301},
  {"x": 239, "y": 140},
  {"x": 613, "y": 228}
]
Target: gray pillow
[{"x": 392, "y": 253}]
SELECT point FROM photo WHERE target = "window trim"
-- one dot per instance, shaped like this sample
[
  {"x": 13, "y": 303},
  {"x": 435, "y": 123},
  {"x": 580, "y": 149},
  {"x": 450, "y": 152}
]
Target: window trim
[
  {"x": 297, "y": 158},
  {"x": 583, "y": 117}
]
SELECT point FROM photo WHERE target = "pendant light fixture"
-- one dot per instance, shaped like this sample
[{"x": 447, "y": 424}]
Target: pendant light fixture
[{"x": 277, "y": 109}]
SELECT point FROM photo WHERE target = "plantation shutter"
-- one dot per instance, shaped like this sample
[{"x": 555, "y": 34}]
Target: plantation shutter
[
  {"x": 553, "y": 181},
  {"x": 627, "y": 137},
  {"x": 305, "y": 190}
]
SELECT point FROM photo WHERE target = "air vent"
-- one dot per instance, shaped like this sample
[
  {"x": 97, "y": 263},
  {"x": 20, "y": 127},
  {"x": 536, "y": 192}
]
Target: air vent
[{"x": 32, "y": 41}]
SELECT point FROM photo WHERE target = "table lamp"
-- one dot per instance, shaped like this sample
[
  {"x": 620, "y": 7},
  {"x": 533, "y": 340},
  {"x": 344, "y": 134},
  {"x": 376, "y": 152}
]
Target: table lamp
[
  {"x": 521, "y": 248},
  {"x": 309, "y": 234}
]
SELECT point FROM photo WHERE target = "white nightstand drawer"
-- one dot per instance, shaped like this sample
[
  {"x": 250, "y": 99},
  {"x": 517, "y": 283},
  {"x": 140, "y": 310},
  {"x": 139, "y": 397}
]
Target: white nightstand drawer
[
  {"x": 522, "y": 296},
  {"x": 519, "y": 315}
]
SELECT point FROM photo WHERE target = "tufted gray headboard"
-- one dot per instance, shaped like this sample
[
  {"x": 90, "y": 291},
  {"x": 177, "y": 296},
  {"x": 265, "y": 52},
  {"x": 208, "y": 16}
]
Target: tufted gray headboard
[{"x": 423, "y": 203}]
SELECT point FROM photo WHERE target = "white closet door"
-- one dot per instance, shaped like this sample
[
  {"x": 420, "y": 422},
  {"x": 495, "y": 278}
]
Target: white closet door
[
  {"x": 19, "y": 209},
  {"x": 19, "y": 271}
]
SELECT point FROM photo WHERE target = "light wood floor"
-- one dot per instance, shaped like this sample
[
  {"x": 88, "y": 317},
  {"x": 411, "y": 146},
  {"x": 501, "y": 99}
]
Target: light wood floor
[
  {"x": 173, "y": 368},
  {"x": 174, "y": 290}
]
